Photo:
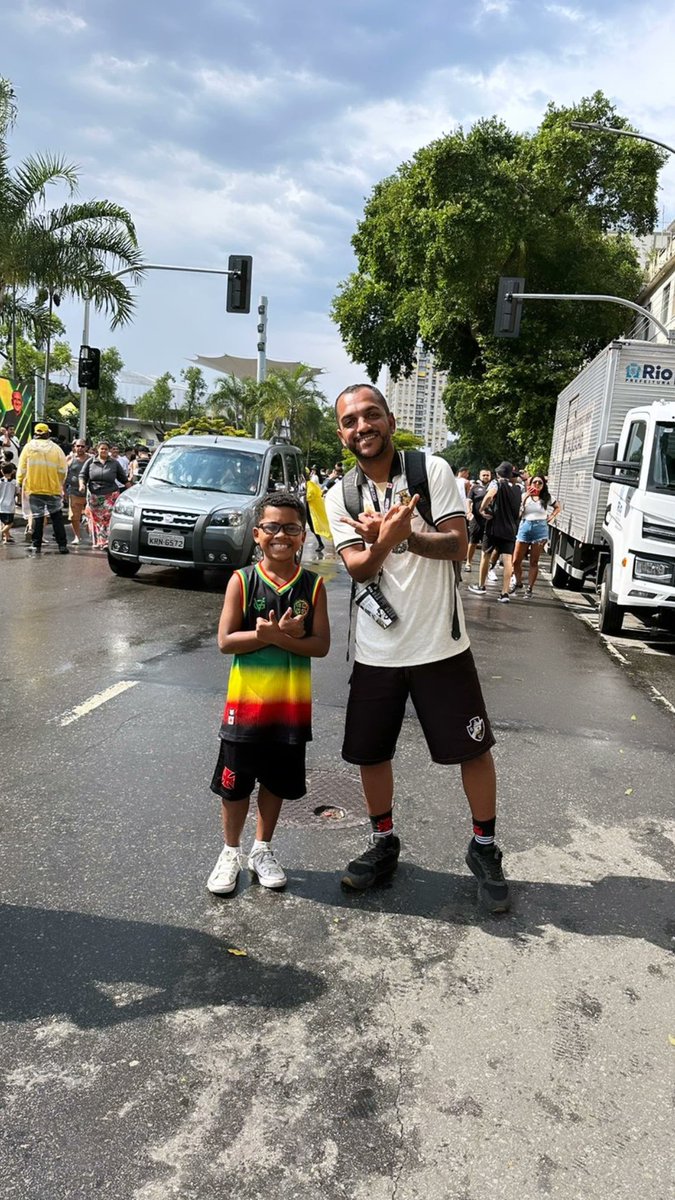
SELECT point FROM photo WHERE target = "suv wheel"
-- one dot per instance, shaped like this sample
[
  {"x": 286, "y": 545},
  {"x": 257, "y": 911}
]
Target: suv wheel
[{"x": 119, "y": 566}]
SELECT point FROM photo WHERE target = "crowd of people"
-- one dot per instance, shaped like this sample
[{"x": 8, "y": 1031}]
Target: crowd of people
[{"x": 44, "y": 477}]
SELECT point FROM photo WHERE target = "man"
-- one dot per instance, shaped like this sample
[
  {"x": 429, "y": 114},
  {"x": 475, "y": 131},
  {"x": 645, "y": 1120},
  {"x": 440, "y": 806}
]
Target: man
[
  {"x": 42, "y": 473},
  {"x": 334, "y": 477},
  {"x": 76, "y": 501},
  {"x": 502, "y": 499},
  {"x": 121, "y": 458},
  {"x": 424, "y": 653},
  {"x": 476, "y": 520}
]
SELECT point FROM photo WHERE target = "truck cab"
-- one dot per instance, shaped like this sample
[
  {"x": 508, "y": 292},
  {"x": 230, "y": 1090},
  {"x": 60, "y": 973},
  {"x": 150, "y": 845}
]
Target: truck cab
[{"x": 636, "y": 565}]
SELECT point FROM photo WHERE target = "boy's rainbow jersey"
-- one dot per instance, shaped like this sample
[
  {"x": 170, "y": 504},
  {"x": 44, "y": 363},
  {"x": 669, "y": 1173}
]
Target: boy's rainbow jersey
[{"x": 269, "y": 693}]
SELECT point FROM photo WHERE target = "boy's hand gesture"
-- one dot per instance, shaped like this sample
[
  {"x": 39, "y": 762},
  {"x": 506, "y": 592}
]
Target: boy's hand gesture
[{"x": 269, "y": 630}]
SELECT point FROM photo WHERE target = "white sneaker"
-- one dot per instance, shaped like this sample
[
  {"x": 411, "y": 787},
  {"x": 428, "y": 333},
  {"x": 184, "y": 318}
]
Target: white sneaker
[
  {"x": 223, "y": 878},
  {"x": 492, "y": 575},
  {"x": 75, "y": 541},
  {"x": 513, "y": 585},
  {"x": 263, "y": 862}
]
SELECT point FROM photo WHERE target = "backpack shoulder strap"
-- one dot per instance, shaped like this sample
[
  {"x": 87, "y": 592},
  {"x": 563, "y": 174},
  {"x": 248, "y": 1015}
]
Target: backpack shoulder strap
[
  {"x": 418, "y": 482},
  {"x": 350, "y": 494}
]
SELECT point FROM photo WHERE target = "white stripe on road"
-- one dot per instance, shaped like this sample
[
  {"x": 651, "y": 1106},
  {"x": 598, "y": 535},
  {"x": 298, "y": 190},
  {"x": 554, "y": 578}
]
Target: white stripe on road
[{"x": 93, "y": 702}]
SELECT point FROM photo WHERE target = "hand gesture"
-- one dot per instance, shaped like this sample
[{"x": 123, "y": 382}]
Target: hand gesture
[
  {"x": 367, "y": 525},
  {"x": 396, "y": 524},
  {"x": 292, "y": 626},
  {"x": 267, "y": 630}
]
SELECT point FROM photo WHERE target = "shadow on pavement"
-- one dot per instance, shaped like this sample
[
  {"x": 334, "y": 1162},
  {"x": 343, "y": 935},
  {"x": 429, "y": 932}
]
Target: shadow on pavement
[
  {"x": 100, "y": 971},
  {"x": 616, "y": 906}
]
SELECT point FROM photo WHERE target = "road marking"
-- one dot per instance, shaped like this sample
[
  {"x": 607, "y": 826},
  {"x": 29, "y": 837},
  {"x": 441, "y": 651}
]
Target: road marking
[
  {"x": 657, "y": 695},
  {"x": 93, "y": 702}
]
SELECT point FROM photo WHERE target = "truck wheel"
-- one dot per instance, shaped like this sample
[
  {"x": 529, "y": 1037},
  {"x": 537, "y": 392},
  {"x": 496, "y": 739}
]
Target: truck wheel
[
  {"x": 610, "y": 615},
  {"x": 559, "y": 577},
  {"x": 119, "y": 566}
]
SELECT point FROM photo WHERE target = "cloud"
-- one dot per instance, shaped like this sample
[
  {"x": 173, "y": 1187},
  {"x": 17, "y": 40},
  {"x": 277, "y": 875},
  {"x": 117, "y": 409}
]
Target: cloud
[{"x": 59, "y": 20}]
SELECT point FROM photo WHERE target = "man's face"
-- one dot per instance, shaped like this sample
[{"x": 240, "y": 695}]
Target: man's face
[
  {"x": 363, "y": 425},
  {"x": 485, "y": 477}
]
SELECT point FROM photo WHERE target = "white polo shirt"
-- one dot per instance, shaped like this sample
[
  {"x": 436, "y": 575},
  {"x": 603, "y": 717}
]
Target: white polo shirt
[{"x": 419, "y": 589}]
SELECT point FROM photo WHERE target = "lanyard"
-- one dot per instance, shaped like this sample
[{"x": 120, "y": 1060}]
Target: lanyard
[{"x": 389, "y": 490}]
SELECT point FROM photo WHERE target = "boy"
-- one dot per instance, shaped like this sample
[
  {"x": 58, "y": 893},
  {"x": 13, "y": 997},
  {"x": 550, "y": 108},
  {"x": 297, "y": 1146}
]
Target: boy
[
  {"x": 7, "y": 501},
  {"x": 274, "y": 619}
]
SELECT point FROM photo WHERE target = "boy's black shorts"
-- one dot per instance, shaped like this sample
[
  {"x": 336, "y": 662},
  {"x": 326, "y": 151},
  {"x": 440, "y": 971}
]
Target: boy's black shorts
[
  {"x": 448, "y": 701},
  {"x": 240, "y": 765}
]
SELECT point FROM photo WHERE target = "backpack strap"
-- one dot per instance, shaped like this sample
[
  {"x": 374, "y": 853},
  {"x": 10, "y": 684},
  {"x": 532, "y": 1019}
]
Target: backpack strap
[
  {"x": 418, "y": 482},
  {"x": 350, "y": 494}
]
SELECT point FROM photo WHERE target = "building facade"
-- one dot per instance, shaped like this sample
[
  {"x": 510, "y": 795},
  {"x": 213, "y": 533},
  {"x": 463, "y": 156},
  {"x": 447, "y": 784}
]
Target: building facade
[
  {"x": 658, "y": 294},
  {"x": 417, "y": 401}
]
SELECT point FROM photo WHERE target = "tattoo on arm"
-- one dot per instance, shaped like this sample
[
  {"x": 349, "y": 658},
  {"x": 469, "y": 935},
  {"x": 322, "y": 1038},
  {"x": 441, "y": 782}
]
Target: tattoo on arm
[{"x": 437, "y": 545}]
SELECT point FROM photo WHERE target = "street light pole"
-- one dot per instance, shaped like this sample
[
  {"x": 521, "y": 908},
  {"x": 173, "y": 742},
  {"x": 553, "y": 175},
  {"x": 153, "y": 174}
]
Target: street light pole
[
  {"x": 261, "y": 372},
  {"x": 118, "y": 275},
  {"x": 598, "y": 127}
]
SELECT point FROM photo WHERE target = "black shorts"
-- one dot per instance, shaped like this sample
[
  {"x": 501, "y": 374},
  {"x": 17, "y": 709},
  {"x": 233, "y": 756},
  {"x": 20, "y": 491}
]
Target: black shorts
[
  {"x": 280, "y": 768},
  {"x": 492, "y": 541},
  {"x": 6, "y": 518},
  {"x": 448, "y": 701},
  {"x": 476, "y": 531}
]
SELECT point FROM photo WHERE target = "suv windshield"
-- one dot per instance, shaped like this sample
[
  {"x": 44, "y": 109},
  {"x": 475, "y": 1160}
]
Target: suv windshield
[
  {"x": 212, "y": 468},
  {"x": 662, "y": 466}
]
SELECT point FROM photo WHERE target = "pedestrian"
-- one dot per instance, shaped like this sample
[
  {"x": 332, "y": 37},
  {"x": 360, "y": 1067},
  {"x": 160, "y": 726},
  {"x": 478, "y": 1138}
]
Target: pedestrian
[
  {"x": 537, "y": 512},
  {"x": 415, "y": 644},
  {"x": 102, "y": 478},
  {"x": 316, "y": 514},
  {"x": 333, "y": 477},
  {"x": 501, "y": 507},
  {"x": 42, "y": 472},
  {"x": 476, "y": 519},
  {"x": 76, "y": 501},
  {"x": 120, "y": 457},
  {"x": 7, "y": 501},
  {"x": 274, "y": 621},
  {"x": 464, "y": 485},
  {"x": 9, "y": 441}
]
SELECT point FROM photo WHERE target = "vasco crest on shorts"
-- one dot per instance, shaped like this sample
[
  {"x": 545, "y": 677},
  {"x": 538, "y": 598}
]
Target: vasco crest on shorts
[{"x": 476, "y": 729}]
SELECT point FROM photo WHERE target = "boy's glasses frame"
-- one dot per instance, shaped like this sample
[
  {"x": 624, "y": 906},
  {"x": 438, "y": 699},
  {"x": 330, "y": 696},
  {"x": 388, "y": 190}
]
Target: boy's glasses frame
[{"x": 291, "y": 528}]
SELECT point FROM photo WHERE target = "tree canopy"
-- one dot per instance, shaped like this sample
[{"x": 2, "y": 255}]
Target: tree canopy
[
  {"x": 558, "y": 207},
  {"x": 156, "y": 405}
]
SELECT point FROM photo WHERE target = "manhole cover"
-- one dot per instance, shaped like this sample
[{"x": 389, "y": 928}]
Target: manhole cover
[{"x": 333, "y": 798}]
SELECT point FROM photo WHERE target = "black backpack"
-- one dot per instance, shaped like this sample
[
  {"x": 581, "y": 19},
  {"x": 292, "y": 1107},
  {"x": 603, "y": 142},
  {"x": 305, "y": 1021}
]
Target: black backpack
[{"x": 415, "y": 466}]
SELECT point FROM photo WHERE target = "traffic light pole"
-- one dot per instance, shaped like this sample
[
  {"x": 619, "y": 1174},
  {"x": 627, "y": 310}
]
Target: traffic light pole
[
  {"x": 118, "y": 275},
  {"x": 518, "y": 297},
  {"x": 261, "y": 372}
]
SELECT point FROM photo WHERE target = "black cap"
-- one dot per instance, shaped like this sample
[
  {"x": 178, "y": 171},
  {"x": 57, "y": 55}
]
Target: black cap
[{"x": 505, "y": 471}]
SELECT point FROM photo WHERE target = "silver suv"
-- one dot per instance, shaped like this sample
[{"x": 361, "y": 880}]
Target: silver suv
[{"x": 194, "y": 505}]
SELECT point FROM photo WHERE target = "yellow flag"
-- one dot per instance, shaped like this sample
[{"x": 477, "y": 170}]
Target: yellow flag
[{"x": 69, "y": 410}]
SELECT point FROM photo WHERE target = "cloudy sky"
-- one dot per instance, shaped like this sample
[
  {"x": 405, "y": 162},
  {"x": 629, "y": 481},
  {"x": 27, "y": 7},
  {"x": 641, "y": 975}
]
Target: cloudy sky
[{"x": 230, "y": 126}]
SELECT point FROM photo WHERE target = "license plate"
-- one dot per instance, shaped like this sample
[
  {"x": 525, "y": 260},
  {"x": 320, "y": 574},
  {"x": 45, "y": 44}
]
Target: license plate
[{"x": 171, "y": 541}]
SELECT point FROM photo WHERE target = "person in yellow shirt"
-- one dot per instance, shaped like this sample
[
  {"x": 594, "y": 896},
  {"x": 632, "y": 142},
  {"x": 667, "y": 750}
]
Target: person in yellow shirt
[{"x": 41, "y": 473}]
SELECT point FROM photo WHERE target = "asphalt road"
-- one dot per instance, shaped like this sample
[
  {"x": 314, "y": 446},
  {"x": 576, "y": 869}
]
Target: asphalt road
[{"x": 395, "y": 1045}]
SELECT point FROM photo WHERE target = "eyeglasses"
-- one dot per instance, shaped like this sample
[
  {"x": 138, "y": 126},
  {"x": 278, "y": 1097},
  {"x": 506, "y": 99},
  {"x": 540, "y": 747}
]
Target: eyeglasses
[
  {"x": 292, "y": 529},
  {"x": 539, "y": 481}
]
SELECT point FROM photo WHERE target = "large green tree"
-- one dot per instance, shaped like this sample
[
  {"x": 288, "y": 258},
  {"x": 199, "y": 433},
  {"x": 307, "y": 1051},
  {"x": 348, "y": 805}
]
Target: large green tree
[
  {"x": 156, "y": 405},
  {"x": 76, "y": 248},
  {"x": 557, "y": 207},
  {"x": 236, "y": 401},
  {"x": 195, "y": 394}
]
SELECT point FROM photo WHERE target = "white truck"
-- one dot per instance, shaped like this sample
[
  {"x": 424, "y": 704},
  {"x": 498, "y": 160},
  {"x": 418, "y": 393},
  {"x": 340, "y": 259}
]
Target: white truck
[{"x": 612, "y": 468}]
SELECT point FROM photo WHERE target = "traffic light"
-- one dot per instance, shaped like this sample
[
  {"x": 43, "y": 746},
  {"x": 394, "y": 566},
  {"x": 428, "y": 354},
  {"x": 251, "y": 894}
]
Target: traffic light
[
  {"x": 507, "y": 317},
  {"x": 239, "y": 283},
  {"x": 89, "y": 367}
]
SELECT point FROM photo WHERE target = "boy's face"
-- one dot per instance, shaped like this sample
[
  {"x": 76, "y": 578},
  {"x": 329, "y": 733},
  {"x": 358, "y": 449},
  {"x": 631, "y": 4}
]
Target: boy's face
[{"x": 276, "y": 534}]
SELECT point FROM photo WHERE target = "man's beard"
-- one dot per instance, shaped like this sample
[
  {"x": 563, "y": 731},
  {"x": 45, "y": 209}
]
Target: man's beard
[{"x": 385, "y": 443}]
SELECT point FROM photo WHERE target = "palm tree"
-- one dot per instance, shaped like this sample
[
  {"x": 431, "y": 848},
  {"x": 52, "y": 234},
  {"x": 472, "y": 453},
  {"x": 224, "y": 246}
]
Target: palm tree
[
  {"x": 291, "y": 403},
  {"x": 77, "y": 248},
  {"x": 236, "y": 401}
]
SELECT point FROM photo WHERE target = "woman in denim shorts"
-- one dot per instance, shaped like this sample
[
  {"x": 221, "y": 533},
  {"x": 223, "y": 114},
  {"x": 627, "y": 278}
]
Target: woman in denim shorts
[{"x": 536, "y": 513}]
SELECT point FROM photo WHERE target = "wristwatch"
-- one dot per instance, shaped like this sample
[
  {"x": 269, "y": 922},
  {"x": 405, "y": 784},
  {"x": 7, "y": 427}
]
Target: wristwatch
[{"x": 402, "y": 547}]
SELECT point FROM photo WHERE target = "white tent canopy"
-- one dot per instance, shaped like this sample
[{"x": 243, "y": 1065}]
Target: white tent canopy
[{"x": 247, "y": 368}]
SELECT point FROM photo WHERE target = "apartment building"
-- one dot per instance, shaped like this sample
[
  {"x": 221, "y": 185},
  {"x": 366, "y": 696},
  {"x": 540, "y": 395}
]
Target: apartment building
[
  {"x": 417, "y": 402},
  {"x": 658, "y": 294}
]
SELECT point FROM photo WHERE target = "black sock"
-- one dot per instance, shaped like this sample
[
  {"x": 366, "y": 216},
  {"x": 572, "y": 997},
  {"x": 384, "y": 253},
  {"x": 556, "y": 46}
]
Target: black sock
[
  {"x": 484, "y": 833},
  {"x": 382, "y": 825}
]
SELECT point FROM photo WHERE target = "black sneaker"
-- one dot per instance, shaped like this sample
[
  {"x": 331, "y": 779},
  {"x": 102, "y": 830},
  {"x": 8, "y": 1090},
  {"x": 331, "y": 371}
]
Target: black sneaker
[
  {"x": 376, "y": 864},
  {"x": 486, "y": 864},
  {"x": 64, "y": 550}
]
